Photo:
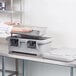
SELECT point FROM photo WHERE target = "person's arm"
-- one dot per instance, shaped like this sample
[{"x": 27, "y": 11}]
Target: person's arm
[
  {"x": 20, "y": 29},
  {"x": 17, "y": 29}
]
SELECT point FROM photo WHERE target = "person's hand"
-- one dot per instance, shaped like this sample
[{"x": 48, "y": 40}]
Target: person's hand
[{"x": 12, "y": 23}]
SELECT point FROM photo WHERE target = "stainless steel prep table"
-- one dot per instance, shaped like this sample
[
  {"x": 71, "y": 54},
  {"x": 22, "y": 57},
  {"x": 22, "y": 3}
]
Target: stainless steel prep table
[{"x": 37, "y": 59}]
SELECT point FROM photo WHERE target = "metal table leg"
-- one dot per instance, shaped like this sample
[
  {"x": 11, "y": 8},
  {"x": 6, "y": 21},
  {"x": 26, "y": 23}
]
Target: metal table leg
[
  {"x": 3, "y": 66},
  {"x": 71, "y": 71},
  {"x": 15, "y": 72},
  {"x": 16, "y": 67},
  {"x": 23, "y": 68}
]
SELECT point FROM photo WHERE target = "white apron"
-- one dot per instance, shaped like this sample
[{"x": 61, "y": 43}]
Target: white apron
[{"x": 5, "y": 31}]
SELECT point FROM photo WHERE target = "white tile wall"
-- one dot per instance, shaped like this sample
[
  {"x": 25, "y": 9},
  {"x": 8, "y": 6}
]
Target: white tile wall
[{"x": 58, "y": 15}]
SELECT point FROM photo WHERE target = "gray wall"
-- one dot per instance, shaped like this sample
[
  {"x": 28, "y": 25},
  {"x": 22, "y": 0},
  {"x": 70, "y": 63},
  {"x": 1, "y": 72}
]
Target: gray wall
[{"x": 42, "y": 69}]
